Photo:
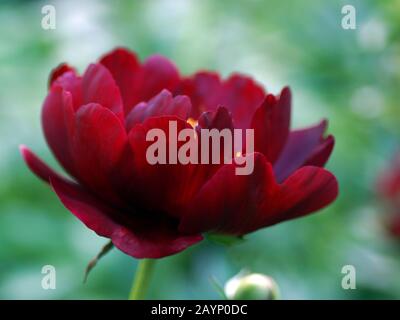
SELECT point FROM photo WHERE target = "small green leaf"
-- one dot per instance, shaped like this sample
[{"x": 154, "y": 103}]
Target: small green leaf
[{"x": 92, "y": 263}]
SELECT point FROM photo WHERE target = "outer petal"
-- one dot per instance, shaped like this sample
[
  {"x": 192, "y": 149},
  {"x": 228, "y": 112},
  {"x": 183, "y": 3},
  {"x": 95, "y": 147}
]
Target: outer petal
[
  {"x": 57, "y": 122},
  {"x": 233, "y": 204},
  {"x": 321, "y": 153},
  {"x": 162, "y": 104},
  {"x": 124, "y": 67},
  {"x": 201, "y": 88},
  {"x": 305, "y": 191},
  {"x": 301, "y": 146},
  {"x": 98, "y": 144},
  {"x": 98, "y": 86},
  {"x": 37, "y": 166},
  {"x": 271, "y": 123},
  {"x": 137, "y": 237},
  {"x": 228, "y": 203}
]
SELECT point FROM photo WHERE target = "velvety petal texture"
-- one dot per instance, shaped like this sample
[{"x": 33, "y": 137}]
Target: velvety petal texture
[
  {"x": 162, "y": 104},
  {"x": 239, "y": 204},
  {"x": 57, "y": 122},
  {"x": 271, "y": 123},
  {"x": 304, "y": 146},
  {"x": 124, "y": 67},
  {"x": 130, "y": 232},
  {"x": 136, "y": 236},
  {"x": 201, "y": 89},
  {"x": 102, "y": 125}
]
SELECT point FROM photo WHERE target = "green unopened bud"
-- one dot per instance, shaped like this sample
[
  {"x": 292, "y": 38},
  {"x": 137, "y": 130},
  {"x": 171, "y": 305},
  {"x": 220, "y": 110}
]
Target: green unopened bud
[{"x": 253, "y": 286}]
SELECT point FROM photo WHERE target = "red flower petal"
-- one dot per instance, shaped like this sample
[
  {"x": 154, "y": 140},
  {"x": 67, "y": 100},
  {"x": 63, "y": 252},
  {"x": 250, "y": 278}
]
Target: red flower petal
[
  {"x": 71, "y": 83},
  {"x": 124, "y": 67},
  {"x": 239, "y": 204},
  {"x": 57, "y": 122},
  {"x": 321, "y": 153},
  {"x": 37, "y": 166},
  {"x": 173, "y": 185},
  {"x": 301, "y": 145},
  {"x": 58, "y": 71},
  {"x": 241, "y": 95},
  {"x": 98, "y": 86},
  {"x": 97, "y": 147},
  {"x": 201, "y": 89},
  {"x": 271, "y": 123},
  {"x": 162, "y": 104},
  {"x": 227, "y": 202},
  {"x": 137, "y": 237},
  {"x": 157, "y": 73},
  {"x": 306, "y": 190},
  {"x": 220, "y": 119}
]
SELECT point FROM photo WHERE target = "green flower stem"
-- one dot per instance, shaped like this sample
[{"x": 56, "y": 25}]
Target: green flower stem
[{"x": 142, "y": 279}]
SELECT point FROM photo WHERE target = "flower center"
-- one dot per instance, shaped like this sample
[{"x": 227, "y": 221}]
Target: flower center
[{"x": 192, "y": 122}]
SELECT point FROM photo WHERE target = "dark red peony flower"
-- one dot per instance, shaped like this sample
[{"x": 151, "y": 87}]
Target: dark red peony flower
[
  {"x": 388, "y": 188},
  {"x": 96, "y": 125},
  {"x": 393, "y": 225},
  {"x": 388, "y": 184}
]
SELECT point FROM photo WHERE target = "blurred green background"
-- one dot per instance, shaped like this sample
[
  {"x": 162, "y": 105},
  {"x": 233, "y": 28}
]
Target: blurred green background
[{"x": 351, "y": 77}]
